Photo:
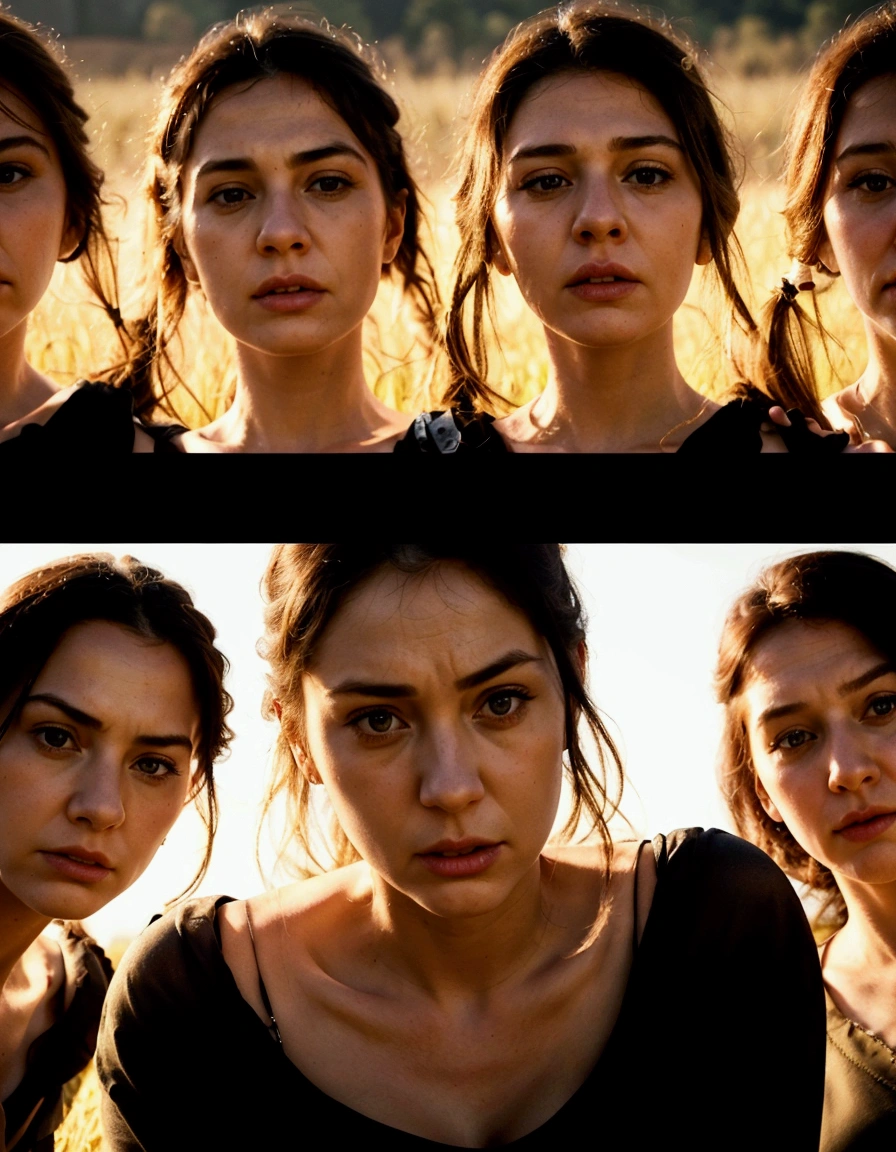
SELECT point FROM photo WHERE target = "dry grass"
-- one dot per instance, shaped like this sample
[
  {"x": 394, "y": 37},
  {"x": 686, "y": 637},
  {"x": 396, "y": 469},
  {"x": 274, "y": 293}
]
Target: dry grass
[{"x": 69, "y": 337}]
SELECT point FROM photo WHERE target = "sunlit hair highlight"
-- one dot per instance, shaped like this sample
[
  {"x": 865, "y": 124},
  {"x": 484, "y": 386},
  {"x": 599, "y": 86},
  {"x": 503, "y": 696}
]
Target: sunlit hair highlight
[
  {"x": 862, "y": 51},
  {"x": 579, "y": 38},
  {"x": 39, "y": 608},
  {"x": 817, "y": 587},
  {"x": 304, "y": 586},
  {"x": 256, "y": 46}
]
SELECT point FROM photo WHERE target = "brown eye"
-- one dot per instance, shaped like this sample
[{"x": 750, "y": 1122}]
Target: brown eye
[{"x": 379, "y": 722}]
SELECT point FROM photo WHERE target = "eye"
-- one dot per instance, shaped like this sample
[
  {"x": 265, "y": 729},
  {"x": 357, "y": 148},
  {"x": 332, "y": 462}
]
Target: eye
[
  {"x": 13, "y": 174},
  {"x": 502, "y": 705},
  {"x": 330, "y": 185},
  {"x": 51, "y": 736},
  {"x": 790, "y": 741},
  {"x": 547, "y": 182},
  {"x": 155, "y": 767},
  {"x": 377, "y": 722},
  {"x": 227, "y": 197},
  {"x": 873, "y": 182},
  {"x": 648, "y": 177},
  {"x": 882, "y": 706}
]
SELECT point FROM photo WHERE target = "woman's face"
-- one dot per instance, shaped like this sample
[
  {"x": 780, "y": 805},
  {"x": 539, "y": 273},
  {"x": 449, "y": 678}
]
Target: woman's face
[
  {"x": 599, "y": 211},
  {"x": 285, "y": 226},
  {"x": 435, "y": 720},
  {"x": 34, "y": 229},
  {"x": 860, "y": 209},
  {"x": 95, "y": 769},
  {"x": 820, "y": 713}
]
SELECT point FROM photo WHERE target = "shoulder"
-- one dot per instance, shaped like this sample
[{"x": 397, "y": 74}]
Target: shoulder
[
  {"x": 733, "y": 427},
  {"x": 721, "y": 863},
  {"x": 447, "y": 432},
  {"x": 88, "y": 417},
  {"x": 164, "y": 437}
]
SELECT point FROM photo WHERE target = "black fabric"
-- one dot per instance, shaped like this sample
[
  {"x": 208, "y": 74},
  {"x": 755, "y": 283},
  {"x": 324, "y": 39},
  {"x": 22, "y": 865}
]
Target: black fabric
[
  {"x": 443, "y": 433},
  {"x": 719, "y": 1043},
  {"x": 65, "y": 1049},
  {"x": 97, "y": 419},
  {"x": 164, "y": 436}
]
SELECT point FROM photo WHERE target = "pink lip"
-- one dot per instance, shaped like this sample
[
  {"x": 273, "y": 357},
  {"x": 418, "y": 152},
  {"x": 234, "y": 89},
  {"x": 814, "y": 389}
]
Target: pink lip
[
  {"x": 270, "y": 293},
  {"x": 475, "y": 857},
  {"x": 865, "y": 824},
  {"x": 624, "y": 282},
  {"x": 78, "y": 864}
]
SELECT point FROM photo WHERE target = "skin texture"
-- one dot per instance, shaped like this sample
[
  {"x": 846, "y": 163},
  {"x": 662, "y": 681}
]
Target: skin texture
[
  {"x": 281, "y": 213},
  {"x": 830, "y": 762},
  {"x": 34, "y": 234},
  {"x": 860, "y": 244},
  {"x": 461, "y": 1009},
  {"x": 112, "y": 786},
  {"x": 607, "y": 197}
]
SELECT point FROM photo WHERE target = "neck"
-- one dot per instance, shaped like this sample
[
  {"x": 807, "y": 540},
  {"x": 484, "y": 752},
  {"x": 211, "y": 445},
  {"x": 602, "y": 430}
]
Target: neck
[
  {"x": 465, "y": 958},
  {"x": 867, "y": 942},
  {"x": 877, "y": 386},
  {"x": 22, "y": 388},
  {"x": 314, "y": 403},
  {"x": 19, "y": 927},
  {"x": 620, "y": 399}
]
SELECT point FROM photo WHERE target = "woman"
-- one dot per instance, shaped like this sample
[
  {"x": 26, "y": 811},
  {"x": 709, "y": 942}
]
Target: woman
[
  {"x": 841, "y": 219},
  {"x": 807, "y": 672},
  {"x": 112, "y": 714},
  {"x": 280, "y": 191},
  {"x": 597, "y": 173},
  {"x": 50, "y": 209},
  {"x": 447, "y": 977}
]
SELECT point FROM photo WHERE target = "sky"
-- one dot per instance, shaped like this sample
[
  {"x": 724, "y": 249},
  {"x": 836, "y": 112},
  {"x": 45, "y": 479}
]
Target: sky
[{"x": 655, "y": 614}]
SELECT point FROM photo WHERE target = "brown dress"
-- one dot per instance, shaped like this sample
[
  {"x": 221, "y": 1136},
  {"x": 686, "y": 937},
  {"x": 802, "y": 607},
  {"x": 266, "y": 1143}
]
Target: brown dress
[{"x": 860, "y": 1088}]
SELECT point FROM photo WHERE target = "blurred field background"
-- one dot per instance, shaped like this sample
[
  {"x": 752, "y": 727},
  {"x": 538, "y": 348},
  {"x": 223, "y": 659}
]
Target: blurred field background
[{"x": 756, "y": 77}]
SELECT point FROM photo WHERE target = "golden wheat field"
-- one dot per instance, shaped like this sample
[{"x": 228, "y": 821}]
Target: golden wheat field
[{"x": 70, "y": 337}]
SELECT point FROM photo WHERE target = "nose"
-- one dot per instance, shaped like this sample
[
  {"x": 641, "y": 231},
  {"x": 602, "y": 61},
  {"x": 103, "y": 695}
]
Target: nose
[
  {"x": 283, "y": 226},
  {"x": 96, "y": 799},
  {"x": 852, "y": 763},
  {"x": 599, "y": 214},
  {"x": 451, "y": 778}
]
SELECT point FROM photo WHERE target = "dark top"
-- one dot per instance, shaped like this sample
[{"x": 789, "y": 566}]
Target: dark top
[
  {"x": 733, "y": 429},
  {"x": 719, "y": 1042},
  {"x": 96, "y": 419},
  {"x": 63, "y": 1050},
  {"x": 859, "y": 1089}
]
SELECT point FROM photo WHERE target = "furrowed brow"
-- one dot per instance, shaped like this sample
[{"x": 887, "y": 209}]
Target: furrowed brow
[
  {"x": 70, "y": 710},
  {"x": 541, "y": 150},
  {"x": 497, "y": 668},
  {"x": 634, "y": 143},
  {"x": 11, "y": 142},
  {"x": 779, "y": 711},
  {"x": 869, "y": 149},
  {"x": 866, "y": 678}
]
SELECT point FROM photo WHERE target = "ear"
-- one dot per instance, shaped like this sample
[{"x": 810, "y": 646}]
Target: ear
[
  {"x": 499, "y": 257},
  {"x": 395, "y": 217},
  {"x": 767, "y": 803},
  {"x": 303, "y": 760},
  {"x": 186, "y": 261},
  {"x": 827, "y": 257},
  {"x": 71, "y": 238},
  {"x": 704, "y": 250}
]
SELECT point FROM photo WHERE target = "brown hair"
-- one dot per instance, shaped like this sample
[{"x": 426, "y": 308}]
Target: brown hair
[
  {"x": 30, "y": 71},
  {"x": 304, "y": 586},
  {"x": 256, "y": 46},
  {"x": 601, "y": 36},
  {"x": 861, "y": 52},
  {"x": 846, "y": 587},
  {"x": 38, "y": 609}
]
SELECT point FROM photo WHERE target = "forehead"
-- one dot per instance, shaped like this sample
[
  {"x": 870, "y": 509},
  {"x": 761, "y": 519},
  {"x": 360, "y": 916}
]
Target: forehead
[
  {"x": 588, "y": 105},
  {"x": 800, "y": 657},
  {"x": 870, "y": 114},
  {"x": 17, "y": 116},
  {"x": 282, "y": 112},
  {"x": 446, "y": 615}
]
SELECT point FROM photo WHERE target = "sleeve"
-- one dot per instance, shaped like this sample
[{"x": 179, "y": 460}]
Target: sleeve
[
  {"x": 163, "y": 1054},
  {"x": 739, "y": 995}
]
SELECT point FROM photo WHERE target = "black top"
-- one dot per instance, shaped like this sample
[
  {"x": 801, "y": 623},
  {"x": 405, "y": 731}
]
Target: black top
[
  {"x": 719, "y": 1042},
  {"x": 732, "y": 430},
  {"x": 97, "y": 419},
  {"x": 64, "y": 1049}
]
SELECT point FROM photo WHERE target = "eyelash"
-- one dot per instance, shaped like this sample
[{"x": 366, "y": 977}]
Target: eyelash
[
  {"x": 654, "y": 170},
  {"x": 779, "y": 742},
  {"x": 521, "y": 694},
  {"x": 18, "y": 169},
  {"x": 859, "y": 181},
  {"x": 342, "y": 182},
  {"x": 156, "y": 761}
]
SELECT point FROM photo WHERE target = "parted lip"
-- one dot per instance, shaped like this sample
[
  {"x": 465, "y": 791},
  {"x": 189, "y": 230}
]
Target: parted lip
[
  {"x": 465, "y": 845},
  {"x": 81, "y": 854},
  {"x": 273, "y": 283},
  {"x": 862, "y": 815},
  {"x": 598, "y": 271}
]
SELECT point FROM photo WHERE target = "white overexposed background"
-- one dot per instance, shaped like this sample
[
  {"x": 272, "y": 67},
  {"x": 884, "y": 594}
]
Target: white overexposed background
[{"x": 655, "y": 613}]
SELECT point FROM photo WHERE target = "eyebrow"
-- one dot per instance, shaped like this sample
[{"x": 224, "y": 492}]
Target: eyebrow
[
  {"x": 845, "y": 689},
  {"x": 510, "y": 660},
  {"x": 88, "y": 721},
  {"x": 869, "y": 149},
  {"x": 617, "y": 144},
  {"x": 8, "y": 143},
  {"x": 298, "y": 160}
]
